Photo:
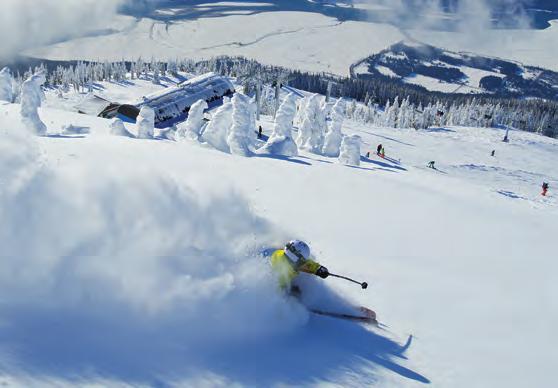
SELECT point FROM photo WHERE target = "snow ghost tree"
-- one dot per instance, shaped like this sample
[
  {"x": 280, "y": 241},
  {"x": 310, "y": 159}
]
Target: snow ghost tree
[
  {"x": 193, "y": 126},
  {"x": 31, "y": 97},
  {"x": 350, "y": 150},
  {"x": 146, "y": 123},
  {"x": 117, "y": 128},
  {"x": 281, "y": 141},
  {"x": 215, "y": 133},
  {"x": 6, "y": 80},
  {"x": 312, "y": 130},
  {"x": 239, "y": 138},
  {"x": 334, "y": 136}
]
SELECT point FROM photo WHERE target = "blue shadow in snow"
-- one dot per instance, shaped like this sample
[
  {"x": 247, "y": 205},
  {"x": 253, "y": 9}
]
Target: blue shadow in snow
[
  {"x": 79, "y": 345},
  {"x": 64, "y": 136},
  {"x": 437, "y": 129},
  {"x": 284, "y": 158},
  {"x": 324, "y": 346},
  {"x": 383, "y": 164},
  {"x": 389, "y": 138},
  {"x": 510, "y": 194}
]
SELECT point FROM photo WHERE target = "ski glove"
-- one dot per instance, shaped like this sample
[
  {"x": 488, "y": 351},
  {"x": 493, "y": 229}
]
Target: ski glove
[{"x": 322, "y": 272}]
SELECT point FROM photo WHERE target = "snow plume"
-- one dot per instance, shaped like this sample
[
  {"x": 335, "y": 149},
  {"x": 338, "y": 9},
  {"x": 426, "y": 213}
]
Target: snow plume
[
  {"x": 125, "y": 276},
  {"x": 216, "y": 132},
  {"x": 281, "y": 141},
  {"x": 240, "y": 138},
  {"x": 28, "y": 23}
]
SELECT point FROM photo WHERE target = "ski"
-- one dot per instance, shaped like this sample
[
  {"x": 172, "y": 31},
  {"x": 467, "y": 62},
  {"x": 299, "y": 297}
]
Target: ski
[{"x": 368, "y": 316}]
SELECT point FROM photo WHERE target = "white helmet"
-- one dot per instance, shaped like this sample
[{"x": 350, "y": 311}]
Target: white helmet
[{"x": 297, "y": 250}]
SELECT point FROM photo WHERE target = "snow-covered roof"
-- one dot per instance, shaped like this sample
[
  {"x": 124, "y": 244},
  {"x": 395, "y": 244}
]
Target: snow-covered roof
[{"x": 176, "y": 100}]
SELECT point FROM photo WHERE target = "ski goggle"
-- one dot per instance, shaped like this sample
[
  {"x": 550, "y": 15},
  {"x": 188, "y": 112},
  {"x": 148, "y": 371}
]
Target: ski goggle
[{"x": 290, "y": 247}]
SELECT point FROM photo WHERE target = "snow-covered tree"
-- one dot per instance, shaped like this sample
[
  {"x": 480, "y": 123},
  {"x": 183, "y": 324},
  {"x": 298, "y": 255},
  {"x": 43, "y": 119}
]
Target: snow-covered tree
[
  {"x": 281, "y": 141},
  {"x": 117, "y": 128},
  {"x": 312, "y": 130},
  {"x": 334, "y": 136},
  {"x": 215, "y": 133},
  {"x": 31, "y": 99},
  {"x": 6, "y": 85},
  {"x": 146, "y": 123},
  {"x": 194, "y": 124},
  {"x": 350, "y": 150},
  {"x": 239, "y": 138},
  {"x": 390, "y": 114}
]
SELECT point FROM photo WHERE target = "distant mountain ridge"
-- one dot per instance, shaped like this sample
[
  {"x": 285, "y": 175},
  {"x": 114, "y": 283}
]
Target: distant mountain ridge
[{"x": 445, "y": 71}]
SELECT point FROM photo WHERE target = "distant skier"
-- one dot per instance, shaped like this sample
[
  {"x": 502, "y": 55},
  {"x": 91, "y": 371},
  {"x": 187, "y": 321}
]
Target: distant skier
[
  {"x": 493, "y": 153},
  {"x": 368, "y": 154},
  {"x": 379, "y": 149},
  {"x": 431, "y": 164},
  {"x": 288, "y": 262},
  {"x": 383, "y": 152},
  {"x": 544, "y": 189},
  {"x": 260, "y": 132}
]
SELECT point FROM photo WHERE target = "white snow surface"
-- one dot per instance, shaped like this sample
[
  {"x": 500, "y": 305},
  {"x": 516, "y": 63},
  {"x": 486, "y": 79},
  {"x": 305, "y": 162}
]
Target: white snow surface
[{"x": 132, "y": 262}]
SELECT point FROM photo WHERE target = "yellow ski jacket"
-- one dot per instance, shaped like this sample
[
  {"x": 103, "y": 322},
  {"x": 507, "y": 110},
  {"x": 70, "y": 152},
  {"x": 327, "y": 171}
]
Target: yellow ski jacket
[{"x": 287, "y": 270}]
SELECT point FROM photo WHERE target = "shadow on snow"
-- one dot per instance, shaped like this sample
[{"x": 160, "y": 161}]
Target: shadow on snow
[{"x": 73, "y": 346}]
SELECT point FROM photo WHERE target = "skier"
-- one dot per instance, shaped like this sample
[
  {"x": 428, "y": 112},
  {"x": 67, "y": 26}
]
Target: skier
[
  {"x": 544, "y": 188},
  {"x": 431, "y": 165},
  {"x": 260, "y": 131},
  {"x": 379, "y": 149},
  {"x": 368, "y": 154},
  {"x": 383, "y": 152},
  {"x": 493, "y": 153},
  {"x": 293, "y": 259}
]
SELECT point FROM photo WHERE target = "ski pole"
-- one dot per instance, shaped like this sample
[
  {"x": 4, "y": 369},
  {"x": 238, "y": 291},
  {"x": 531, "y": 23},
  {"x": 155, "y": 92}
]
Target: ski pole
[{"x": 364, "y": 285}]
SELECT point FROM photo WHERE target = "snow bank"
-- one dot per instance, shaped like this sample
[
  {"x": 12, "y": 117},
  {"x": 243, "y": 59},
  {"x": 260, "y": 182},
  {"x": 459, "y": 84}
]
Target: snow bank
[
  {"x": 334, "y": 136},
  {"x": 117, "y": 128},
  {"x": 215, "y": 134},
  {"x": 240, "y": 138},
  {"x": 138, "y": 275},
  {"x": 350, "y": 150},
  {"x": 193, "y": 126},
  {"x": 6, "y": 93},
  {"x": 281, "y": 141},
  {"x": 31, "y": 99},
  {"x": 146, "y": 123}
]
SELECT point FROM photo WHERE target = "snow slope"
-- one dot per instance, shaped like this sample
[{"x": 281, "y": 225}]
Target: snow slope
[{"x": 133, "y": 262}]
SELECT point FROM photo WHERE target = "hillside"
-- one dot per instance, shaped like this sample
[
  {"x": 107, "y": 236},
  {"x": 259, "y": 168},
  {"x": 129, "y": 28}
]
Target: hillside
[
  {"x": 129, "y": 262},
  {"x": 450, "y": 72}
]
